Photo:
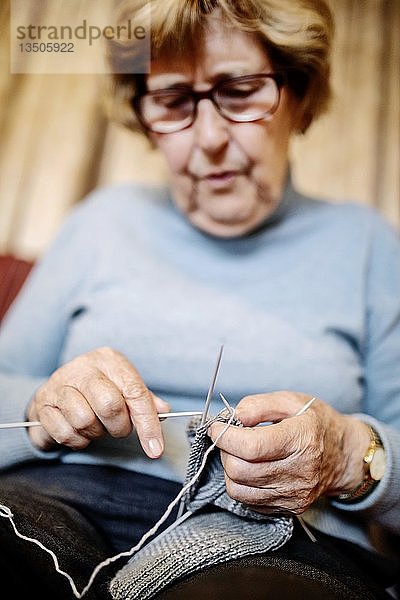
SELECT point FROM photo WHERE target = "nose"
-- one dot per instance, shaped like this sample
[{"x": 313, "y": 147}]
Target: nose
[{"x": 211, "y": 129}]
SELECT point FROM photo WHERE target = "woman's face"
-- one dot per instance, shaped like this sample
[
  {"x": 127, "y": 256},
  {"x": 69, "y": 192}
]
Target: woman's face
[{"x": 225, "y": 177}]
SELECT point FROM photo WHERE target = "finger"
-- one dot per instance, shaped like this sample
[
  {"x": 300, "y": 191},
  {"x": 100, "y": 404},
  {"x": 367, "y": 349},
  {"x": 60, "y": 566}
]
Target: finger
[
  {"x": 251, "y": 495},
  {"x": 79, "y": 414},
  {"x": 107, "y": 403},
  {"x": 269, "y": 500},
  {"x": 144, "y": 415},
  {"x": 253, "y": 444},
  {"x": 38, "y": 435},
  {"x": 60, "y": 430},
  {"x": 140, "y": 402},
  {"x": 258, "y": 475}
]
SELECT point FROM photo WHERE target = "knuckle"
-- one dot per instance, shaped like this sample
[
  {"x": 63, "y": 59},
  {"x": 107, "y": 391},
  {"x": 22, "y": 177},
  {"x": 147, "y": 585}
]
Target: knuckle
[
  {"x": 88, "y": 427},
  {"x": 104, "y": 355},
  {"x": 104, "y": 351},
  {"x": 107, "y": 354},
  {"x": 71, "y": 440},
  {"x": 136, "y": 390},
  {"x": 111, "y": 406},
  {"x": 78, "y": 443},
  {"x": 122, "y": 431}
]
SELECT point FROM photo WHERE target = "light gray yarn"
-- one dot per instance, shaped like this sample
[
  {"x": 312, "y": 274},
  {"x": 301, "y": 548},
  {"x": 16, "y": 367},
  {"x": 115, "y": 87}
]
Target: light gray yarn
[{"x": 208, "y": 537}]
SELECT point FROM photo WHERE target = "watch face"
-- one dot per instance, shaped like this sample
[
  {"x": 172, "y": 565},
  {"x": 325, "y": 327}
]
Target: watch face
[{"x": 378, "y": 464}]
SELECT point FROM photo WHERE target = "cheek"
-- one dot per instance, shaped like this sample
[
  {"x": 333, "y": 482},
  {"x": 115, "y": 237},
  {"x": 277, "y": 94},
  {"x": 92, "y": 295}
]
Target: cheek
[
  {"x": 252, "y": 140},
  {"x": 176, "y": 149},
  {"x": 266, "y": 147}
]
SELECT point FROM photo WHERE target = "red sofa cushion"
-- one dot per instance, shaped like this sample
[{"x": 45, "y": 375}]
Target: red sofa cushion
[{"x": 13, "y": 272}]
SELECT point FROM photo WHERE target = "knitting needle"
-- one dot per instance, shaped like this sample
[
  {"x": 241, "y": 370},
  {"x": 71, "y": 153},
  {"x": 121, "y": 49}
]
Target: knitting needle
[
  {"x": 20, "y": 424},
  {"x": 188, "y": 413},
  {"x": 210, "y": 392},
  {"x": 211, "y": 388},
  {"x": 161, "y": 416},
  {"x": 305, "y": 407},
  {"x": 226, "y": 403}
]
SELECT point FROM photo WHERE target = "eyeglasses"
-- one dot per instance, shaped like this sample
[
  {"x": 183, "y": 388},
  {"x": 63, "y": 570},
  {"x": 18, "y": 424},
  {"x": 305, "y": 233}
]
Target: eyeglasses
[{"x": 238, "y": 99}]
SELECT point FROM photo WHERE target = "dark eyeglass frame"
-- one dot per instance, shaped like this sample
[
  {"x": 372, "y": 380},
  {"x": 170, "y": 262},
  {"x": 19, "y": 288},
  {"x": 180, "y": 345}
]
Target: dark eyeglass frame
[{"x": 278, "y": 78}]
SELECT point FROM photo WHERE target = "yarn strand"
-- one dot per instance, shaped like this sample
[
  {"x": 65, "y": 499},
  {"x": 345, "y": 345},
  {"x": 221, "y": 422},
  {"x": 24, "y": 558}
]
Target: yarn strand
[{"x": 7, "y": 513}]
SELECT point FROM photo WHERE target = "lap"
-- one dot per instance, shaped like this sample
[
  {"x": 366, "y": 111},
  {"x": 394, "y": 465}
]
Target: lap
[
  {"x": 300, "y": 570},
  {"x": 84, "y": 514},
  {"x": 60, "y": 516},
  {"x": 26, "y": 568}
]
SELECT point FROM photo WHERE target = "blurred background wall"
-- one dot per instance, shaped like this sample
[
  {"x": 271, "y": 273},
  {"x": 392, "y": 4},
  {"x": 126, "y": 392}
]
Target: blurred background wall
[{"x": 56, "y": 144}]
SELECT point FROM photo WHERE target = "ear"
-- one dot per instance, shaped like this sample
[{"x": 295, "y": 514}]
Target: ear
[
  {"x": 303, "y": 116},
  {"x": 305, "y": 122},
  {"x": 153, "y": 139}
]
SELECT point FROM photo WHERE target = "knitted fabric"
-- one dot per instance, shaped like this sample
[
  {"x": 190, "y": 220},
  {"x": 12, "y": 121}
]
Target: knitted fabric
[
  {"x": 220, "y": 529},
  {"x": 210, "y": 487}
]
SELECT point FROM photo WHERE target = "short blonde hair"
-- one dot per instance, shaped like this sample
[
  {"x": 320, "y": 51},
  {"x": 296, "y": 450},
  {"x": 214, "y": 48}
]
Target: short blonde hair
[{"x": 297, "y": 36}]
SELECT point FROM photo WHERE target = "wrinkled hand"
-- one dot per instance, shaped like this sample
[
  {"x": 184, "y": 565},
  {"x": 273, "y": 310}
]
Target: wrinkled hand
[
  {"x": 287, "y": 465},
  {"x": 96, "y": 393}
]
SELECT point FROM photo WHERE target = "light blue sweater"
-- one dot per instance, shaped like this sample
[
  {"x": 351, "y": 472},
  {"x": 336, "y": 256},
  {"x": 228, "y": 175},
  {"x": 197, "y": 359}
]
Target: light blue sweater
[{"x": 310, "y": 302}]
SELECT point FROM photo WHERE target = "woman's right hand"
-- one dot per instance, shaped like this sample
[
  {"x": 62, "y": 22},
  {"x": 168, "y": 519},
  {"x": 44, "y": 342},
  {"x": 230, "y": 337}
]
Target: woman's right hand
[{"x": 95, "y": 394}]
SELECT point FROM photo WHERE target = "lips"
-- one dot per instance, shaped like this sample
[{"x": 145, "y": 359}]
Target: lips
[
  {"x": 220, "y": 175},
  {"x": 220, "y": 179}
]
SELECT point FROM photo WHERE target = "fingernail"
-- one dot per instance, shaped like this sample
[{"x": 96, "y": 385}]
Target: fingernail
[{"x": 155, "y": 447}]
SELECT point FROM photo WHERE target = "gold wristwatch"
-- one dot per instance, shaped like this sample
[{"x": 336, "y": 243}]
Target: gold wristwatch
[{"x": 375, "y": 464}]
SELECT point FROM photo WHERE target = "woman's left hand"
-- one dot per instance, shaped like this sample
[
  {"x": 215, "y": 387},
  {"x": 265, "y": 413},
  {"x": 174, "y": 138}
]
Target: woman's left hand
[{"x": 287, "y": 465}]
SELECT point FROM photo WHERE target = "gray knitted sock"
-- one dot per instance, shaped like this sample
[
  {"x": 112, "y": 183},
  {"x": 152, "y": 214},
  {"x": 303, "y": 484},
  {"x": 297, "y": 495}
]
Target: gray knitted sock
[{"x": 208, "y": 537}]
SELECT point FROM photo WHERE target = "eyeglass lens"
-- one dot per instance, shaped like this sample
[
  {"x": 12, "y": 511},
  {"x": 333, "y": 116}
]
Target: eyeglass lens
[{"x": 240, "y": 99}]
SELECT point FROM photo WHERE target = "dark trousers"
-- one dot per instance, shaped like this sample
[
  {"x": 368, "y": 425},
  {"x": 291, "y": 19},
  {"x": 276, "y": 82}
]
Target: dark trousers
[{"x": 88, "y": 513}]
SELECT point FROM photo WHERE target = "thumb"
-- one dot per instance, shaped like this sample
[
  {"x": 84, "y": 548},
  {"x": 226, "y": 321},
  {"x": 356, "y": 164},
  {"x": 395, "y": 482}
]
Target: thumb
[{"x": 272, "y": 407}]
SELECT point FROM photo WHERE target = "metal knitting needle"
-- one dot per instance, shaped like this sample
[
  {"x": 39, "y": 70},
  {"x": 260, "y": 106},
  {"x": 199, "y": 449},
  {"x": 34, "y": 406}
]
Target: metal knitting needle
[
  {"x": 210, "y": 392},
  {"x": 305, "y": 407},
  {"x": 188, "y": 413},
  {"x": 211, "y": 388},
  {"x": 161, "y": 416},
  {"x": 20, "y": 424},
  {"x": 226, "y": 403}
]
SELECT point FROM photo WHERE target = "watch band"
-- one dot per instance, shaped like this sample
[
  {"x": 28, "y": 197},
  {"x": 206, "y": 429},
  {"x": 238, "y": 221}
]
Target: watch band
[{"x": 368, "y": 483}]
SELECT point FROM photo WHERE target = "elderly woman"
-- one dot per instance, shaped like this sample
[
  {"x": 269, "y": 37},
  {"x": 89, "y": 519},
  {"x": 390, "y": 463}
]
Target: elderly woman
[{"x": 123, "y": 317}]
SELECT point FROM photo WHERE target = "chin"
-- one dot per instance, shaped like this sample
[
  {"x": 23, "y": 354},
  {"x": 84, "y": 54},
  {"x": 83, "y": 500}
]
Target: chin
[
  {"x": 229, "y": 223},
  {"x": 223, "y": 229}
]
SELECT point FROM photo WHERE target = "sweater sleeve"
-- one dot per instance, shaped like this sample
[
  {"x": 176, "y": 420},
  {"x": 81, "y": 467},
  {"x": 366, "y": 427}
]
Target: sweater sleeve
[
  {"x": 381, "y": 371},
  {"x": 33, "y": 331}
]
